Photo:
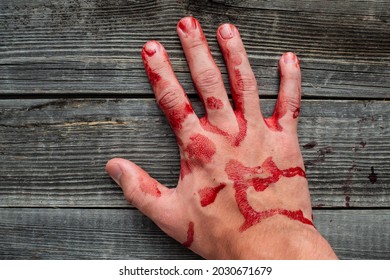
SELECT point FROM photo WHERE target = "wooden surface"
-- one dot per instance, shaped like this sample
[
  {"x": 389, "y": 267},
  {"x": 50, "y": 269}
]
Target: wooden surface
[{"x": 74, "y": 94}]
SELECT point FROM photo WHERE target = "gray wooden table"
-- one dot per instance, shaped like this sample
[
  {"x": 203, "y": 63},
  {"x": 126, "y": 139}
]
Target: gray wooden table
[{"x": 73, "y": 94}]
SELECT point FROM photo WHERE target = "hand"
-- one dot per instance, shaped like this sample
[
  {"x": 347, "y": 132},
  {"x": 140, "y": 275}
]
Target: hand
[{"x": 242, "y": 191}]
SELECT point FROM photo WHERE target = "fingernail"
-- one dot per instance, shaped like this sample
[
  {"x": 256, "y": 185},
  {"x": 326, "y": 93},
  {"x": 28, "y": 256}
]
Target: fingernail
[
  {"x": 226, "y": 31},
  {"x": 150, "y": 48},
  {"x": 115, "y": 172},
  {"x": 186, "y": 24},
  {"x": 290, "y": 58}
]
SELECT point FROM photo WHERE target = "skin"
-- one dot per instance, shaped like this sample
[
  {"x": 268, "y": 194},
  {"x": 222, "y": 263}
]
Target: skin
[{"x": 242, "y": 191}]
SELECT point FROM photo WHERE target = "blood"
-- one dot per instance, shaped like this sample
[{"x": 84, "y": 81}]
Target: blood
[
  {"x": 296, "y": 113},
  {"x": 152, "y": 75},
  {"x": 234, "y": 139},
  {"x": 190, "y": 235},
  {"x": 214, "y": 103},
  {"x": 176, "y": 116},
  {"x": 184, "y": 168},
  {"x": 347, "y": 185},
  {"x": 280, "y": 110},
  {"x": 238, "y": 95},
  {"x": 149, "y": 50},
  {"x": 372, "y": 177},
  {"x": 273, "y": 121},
  {"x": 244, "y": 177},
  {"x": 310, "y": 145},
  {"x": 201, "y": 148},
  {"x": 209, "y": 194},
  {"x": 234, "y": 59},
  {"x": 149, "y": 186},
  {"x": 187, "y": 24}
]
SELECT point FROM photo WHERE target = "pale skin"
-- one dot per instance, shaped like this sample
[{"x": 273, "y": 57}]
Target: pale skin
[{"x": 242, "y": 192}]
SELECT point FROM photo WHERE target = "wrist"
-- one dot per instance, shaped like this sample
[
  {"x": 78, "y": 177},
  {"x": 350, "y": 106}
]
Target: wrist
[{"x": 280, "y": 238}]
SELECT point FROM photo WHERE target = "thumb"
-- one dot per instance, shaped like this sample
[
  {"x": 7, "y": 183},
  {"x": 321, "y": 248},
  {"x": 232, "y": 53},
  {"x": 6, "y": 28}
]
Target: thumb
[{"x": 141, "y": 190}]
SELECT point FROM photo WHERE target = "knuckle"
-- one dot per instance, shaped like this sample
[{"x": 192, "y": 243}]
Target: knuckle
[
  {"x": 170, "y": 97},
  {"x": 291, "y": 103},
  {"x": 246, "y": 84},
  {"x": 208, "y": 79}
]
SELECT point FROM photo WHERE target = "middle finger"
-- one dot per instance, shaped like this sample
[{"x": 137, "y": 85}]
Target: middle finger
[{"x": 205, "y": 73}]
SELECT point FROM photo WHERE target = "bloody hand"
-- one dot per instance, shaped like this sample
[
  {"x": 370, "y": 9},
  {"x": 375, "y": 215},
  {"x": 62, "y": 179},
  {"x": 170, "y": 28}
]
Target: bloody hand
[{"x": 242, "y": 191}]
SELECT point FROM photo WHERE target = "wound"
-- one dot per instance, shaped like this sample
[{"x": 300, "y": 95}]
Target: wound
[
  {"x": 214, "y": 103},
  {"x": 260, "y": 177},
  {"x": 201, "y": 148},
  {"x": 190, "y": 235},
  {"x": 209, "y": 194},
  {"x": 149, "y": 186}
]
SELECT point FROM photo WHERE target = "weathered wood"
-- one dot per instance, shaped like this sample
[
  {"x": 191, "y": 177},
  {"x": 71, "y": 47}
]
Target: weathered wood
[
  {"x": 93, "y": 46},
  {"x": 127, "y": 234},
  {"x": 53, "y": 152},
  {"x": 378, "y": 8}
]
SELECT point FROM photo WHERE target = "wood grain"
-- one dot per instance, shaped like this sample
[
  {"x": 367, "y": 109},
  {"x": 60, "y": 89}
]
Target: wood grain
[
  {"x": 53, "y": 152},
  {"x": 92, "y": 47},
  {"x": 127, "y": 234}
]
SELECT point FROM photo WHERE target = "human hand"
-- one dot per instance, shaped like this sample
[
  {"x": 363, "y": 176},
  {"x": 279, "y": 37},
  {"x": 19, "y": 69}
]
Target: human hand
[{"x": 242, "y": 191}]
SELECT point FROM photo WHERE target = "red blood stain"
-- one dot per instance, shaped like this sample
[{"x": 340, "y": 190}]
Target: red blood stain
[
  {"x": 273, "y": 121},
  {"x": 232, "y": 58},
  {"x": 208, "y": 194},
  {"x": 152, "y": 75},
  {"x": 201, "y": 148},
  {"x": 176, "y": 116},
  {"x": 214, "y": 103},
  {"x": 187, "y": 24},
  {"x": 280, "y": 110},
  {"x": 238, "y": 95},
  {"x": 296, "y": 113},
  {"x": 149, "y": 186},
  {"x": 190, "y": 235},
  {"x": 149, "y": 51},
  {"x": 244, "y": 177},
  {"x": 234, "y": 139},
  {"x": 184, "y": 168}
]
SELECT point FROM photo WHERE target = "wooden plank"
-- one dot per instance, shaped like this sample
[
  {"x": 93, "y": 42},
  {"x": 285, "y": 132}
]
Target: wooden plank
[
  {"x": 93, "y": 47},
  {"x": 127, "y": 234},
  {"x": 53, "y": 152},
  {"x": 377, "y": 8}
]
